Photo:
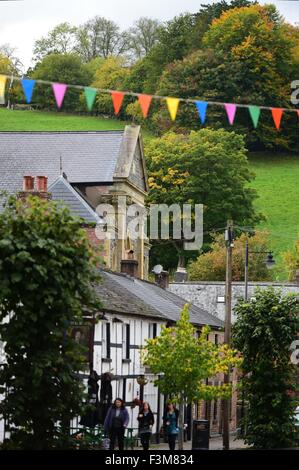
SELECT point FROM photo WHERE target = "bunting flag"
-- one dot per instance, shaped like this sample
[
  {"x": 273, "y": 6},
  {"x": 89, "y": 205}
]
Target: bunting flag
[
  {"x": 254, "y": 112},
  {"x": 277, "y": 115},
  {"x": 28, "y": 87},
  {"x": 117, "y": 98},
  {"x": 231, "y": 112},
  {"x": 173, "y": 105},
  {"x": 59, "y": 90},
  {"x": 145, "y": 102},
  {"x": 202, "y": 109},
  {"x": 90, "y": 96},
  {"x": 2, "y": 88}
]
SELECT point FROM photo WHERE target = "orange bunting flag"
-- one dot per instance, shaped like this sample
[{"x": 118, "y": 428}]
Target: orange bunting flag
[
  {"x": 117, "y": 98},
  {"x": 173, "y": 104},
  {"x": 145, "y": 102},
  {"x": 277, "y": 115}
]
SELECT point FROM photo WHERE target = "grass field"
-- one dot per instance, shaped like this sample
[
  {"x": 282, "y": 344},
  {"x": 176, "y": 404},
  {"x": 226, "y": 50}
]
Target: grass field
[
  {"x": 277, "y": 178},
  {"x": 277, "y": 184},
  {"x": 54, "y": 121}
]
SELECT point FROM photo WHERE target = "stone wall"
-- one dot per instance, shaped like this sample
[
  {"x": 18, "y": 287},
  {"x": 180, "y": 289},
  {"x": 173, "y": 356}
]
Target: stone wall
[{"x": 210, "y": 295}]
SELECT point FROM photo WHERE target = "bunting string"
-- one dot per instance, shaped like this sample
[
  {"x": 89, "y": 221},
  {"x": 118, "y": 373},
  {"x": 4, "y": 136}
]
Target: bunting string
[{"x": 60, "y": 89}]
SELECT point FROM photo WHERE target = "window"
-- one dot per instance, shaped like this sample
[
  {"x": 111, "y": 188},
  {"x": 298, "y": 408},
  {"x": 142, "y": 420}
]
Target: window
[
  {"x": 152, "y": 330},
  {"x": 106, "y": 340},
  {"x": 126, "y": 341}
]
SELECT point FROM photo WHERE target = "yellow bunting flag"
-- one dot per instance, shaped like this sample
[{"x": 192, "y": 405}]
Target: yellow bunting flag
[
  {"x": 173, "y": 104},
  {"x": 2, "y": 89}
]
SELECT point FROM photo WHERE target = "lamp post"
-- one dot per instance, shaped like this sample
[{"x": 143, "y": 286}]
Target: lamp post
[{"x": 269, "y": 263}]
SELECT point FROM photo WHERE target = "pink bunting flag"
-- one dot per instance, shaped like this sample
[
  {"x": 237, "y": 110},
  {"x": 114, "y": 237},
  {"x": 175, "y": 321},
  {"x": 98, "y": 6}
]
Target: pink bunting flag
[
  {"x": 59, "y": 90},
  {"x": 231, "y": 112}
]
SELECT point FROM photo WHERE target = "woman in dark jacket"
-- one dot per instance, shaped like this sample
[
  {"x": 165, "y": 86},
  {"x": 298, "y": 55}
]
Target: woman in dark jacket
[
  {"x": 116, "y": 421},
  {"x": 170, "y": 422},
  {"x": 146, "y": 421}
]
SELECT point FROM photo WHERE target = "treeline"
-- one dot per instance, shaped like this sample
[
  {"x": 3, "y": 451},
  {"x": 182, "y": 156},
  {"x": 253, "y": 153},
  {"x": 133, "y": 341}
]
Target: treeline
[{"x": 229, "y": 51}]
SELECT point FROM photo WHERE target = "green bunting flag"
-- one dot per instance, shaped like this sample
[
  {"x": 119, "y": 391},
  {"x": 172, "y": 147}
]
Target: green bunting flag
[
  {"x": 255, "y": 112},
  {"x": 90, "y": 95}
]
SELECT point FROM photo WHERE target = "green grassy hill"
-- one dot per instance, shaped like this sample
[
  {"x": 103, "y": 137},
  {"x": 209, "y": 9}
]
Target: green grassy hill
[{"x": 277, "y": 177}]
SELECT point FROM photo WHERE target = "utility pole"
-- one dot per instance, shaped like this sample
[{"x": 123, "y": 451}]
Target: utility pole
[{"x": 229, "y": 239}]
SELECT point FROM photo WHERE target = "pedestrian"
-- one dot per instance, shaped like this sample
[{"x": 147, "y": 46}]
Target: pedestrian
[
  {"x": 116, "y": 421},
  {"x": 146, "y": 422},
  {"x": 170, "y": 422}
]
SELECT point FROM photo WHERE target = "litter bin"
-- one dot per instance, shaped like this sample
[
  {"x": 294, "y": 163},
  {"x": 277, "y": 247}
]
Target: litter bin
[{"x": 200, "y": 434}]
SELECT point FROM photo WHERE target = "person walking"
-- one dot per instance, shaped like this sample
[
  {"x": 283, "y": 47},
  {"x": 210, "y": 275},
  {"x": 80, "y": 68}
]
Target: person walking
[
  {"x": 146, "y": 421},
  {"x": 170, "y": 422},
  {"x": 116, "y": 421}
]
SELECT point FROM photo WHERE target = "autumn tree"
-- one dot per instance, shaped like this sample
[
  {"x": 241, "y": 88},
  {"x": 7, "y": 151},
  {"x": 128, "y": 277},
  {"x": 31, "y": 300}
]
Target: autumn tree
[
  {"x": 211, "y": 266},
  {"x": 264, "y": 330},
  {"x": 183, "y": 359},
  {"x": 248, "y": 56},
  {"x": 207, "y": 167},
  {"x": 46, "y": 273}
]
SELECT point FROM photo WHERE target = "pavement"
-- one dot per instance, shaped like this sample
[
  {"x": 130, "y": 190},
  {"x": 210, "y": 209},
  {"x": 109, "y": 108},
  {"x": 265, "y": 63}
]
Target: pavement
[{"x": 215, "y": 444}]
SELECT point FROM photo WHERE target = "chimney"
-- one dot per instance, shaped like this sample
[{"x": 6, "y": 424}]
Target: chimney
[
  {"x": 42, "y": 184},
  {"x": 162, "y": 279},
  {"x": 180, "y": 275},
  {"x": 129, "y": 265},
  {"x": 28, "y": 187},
  {"x": 28, "y": 183}
]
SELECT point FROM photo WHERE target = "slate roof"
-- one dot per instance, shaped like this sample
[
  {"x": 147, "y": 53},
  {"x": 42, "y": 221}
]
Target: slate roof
[
  {"x": 123, "y": 294},
  {"x": 62, "y": 191},
  {"x": 87, "y": 157}
]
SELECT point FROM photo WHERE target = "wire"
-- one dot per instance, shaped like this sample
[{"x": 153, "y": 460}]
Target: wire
[{"x": 157, "y": 97}]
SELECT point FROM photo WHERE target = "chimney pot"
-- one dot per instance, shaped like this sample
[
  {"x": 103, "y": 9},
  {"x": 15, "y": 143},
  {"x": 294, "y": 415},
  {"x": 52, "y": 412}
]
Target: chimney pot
[
  {"x": 162, "y": 279},
  {"x": 42, "y": 183},
  {"x": 28, "y": 183},
  {"x": 129, "y": 266}
]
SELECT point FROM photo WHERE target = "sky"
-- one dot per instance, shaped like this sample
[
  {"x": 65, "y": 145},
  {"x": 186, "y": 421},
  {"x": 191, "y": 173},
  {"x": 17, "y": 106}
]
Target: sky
[{"x": 22, "y": 22}]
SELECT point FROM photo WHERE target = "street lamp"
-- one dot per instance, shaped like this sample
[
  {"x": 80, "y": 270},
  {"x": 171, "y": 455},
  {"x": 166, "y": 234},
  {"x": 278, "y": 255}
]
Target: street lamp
[{"x": 270, "y": 262}]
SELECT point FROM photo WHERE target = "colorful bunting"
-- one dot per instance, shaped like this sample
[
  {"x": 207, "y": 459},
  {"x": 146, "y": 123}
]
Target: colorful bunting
[
  {"x": 28, "y": 86},
  {"x": 173, "y": 104},
  {"x": 117, "y": 98},
  {"x": 202, "y": 109},
  {"x": 231, "y": 112},
  {"x": 59, "y": 90},
  {"x": 145, "y": 102},
  {"x": 255, "y": 115},
  {"x": 277, "y": 115},
  {"x": 2, "y": 88},
  {"x": 90, "y": 95}
]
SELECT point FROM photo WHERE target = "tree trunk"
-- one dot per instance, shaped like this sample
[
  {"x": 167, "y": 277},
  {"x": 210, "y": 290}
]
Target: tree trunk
[{"x": 181, "y": 425}]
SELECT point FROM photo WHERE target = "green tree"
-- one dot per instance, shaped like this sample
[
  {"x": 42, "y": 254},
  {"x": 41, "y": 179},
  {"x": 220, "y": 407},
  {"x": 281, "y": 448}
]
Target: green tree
[
  {"x": 62, "y": 68},
  {"x": 143, "y": 35},
  {"x": 184, "y": 360},
  {"x": 207, "y": 167},
  {"x": 263, "y": 333},
  {"x": 211, "y": 266},
  {"x": 60, "y": 40},
  {"x": 46, "y": 271}
]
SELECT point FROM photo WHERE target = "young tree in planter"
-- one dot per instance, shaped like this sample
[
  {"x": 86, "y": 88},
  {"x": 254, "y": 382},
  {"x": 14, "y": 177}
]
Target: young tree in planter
[
  {"x": 46, "y": 271},
  {"x": 184, "y": 361},
  {"x": 263, "y": 333}
]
